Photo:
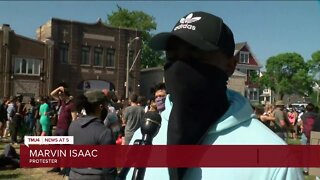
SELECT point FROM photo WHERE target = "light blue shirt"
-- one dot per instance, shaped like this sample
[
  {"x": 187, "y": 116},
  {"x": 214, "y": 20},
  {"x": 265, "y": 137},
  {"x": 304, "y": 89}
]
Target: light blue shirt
[
  {"x": 236, "y": 127},
  {"x": 9, "y": 109}
]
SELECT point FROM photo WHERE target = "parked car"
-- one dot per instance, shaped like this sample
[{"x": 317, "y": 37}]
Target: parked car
[{"x": 299, "y": 105}]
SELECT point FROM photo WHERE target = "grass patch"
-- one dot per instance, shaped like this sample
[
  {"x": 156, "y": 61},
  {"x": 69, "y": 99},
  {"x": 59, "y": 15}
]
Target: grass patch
[
  {"x": 294, "y": 141},
  {"x": 26, "y": 173},
  {"x": 10, "y": 174}
]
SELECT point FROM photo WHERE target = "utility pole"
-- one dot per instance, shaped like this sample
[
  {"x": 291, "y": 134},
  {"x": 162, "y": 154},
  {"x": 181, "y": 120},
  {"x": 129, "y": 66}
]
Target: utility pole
[{"x": 128, "y": 65}]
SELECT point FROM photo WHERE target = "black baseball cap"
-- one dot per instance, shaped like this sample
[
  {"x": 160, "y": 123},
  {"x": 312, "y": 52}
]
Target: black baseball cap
[{"x": 200, "y": 29}]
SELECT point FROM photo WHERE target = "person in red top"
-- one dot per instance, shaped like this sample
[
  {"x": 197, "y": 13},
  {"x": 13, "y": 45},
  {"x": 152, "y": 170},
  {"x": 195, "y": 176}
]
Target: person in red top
[
  {"x": 67, "y": 113},
  {"x": 292, "y": 116},
  {"x": 309, "y": 120}
]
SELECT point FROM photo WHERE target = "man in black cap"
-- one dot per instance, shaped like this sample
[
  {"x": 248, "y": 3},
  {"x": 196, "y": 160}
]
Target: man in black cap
[
  {"x": 89, "y": 129},
  {"x": 199, "y": 61}
]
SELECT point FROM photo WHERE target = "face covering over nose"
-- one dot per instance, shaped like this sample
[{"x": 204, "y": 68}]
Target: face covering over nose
[
  {"x": 160, "y": 102},
  {"x": 198, "y": 92}
]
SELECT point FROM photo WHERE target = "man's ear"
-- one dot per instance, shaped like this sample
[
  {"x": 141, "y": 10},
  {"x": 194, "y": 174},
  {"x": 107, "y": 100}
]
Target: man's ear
[{"x": 231, "y": 65}]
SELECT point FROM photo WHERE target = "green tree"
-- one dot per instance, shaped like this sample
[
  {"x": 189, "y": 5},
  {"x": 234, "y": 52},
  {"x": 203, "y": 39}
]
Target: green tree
[
  {"x": 314, "y": 66},
  {"x": 287, "y": 73},
  {"x": 254, "y": 77},
  {"x": 314, "y": 70},
  {"x": 143, "y": 22},
  {"x": 151, "y": 58}
]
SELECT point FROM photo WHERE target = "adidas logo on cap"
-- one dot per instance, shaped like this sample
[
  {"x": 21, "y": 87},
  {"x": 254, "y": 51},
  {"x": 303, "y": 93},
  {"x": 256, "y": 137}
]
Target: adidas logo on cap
[{"x": 185, "y": 22}]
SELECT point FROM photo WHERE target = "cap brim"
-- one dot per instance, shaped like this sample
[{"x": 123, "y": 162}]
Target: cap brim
[{"x": 159, "y": 41}]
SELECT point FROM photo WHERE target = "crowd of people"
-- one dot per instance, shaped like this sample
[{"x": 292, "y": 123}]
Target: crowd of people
[
  {"x": 290, "y": 122},
  {"x": 23, "y": 118},
  {"x": 54, "y": 114}
]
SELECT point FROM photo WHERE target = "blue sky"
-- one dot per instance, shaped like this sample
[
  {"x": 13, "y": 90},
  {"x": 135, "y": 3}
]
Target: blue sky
[{"x": 270, "y": 27}]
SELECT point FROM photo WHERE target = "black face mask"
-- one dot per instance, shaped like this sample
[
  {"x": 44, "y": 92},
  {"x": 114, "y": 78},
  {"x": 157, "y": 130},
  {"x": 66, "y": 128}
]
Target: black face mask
[{"x": 198, "y": 92}]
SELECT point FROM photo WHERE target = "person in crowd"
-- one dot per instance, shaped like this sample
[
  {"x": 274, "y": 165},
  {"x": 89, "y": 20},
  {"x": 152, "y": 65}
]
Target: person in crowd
[
  {"x": 123, "y": 104},
  {"x": 112, "y": 122},
  {"x": 44, "y": 116},
  {"x": 300, "y": 111},
  {"x": 160, "y": 94},
  {"x": 29, "y": 111},
  {"x": 268, "y": 117},
  {"x": 158, "y": 103},
  {"x": 103, "y": 111},
  {"x": 119, "y": 107},
  {"x": 143, "y": 102},
  {"x": 3, "y": 115},
  {"x": 11, "y": 109},
  {"x": 309, "y": 119},
  {"x": 89, "y": 129},
  {"x": 292, "y": 117},
  {"x": 9, "y": 158},
  {"x": 309, "y": 123},
  {"x": 17, "y": 121},
  {"x": 199, "y": 59},
  {"x": 67, "y": 113},
  {"x": 281, "y": 120},
  {"x": 132, "y": 118},
  {"x": 38, "y": 127},
  {"x": 258, "y": 111},
  {"x": 153, "y": 105}
]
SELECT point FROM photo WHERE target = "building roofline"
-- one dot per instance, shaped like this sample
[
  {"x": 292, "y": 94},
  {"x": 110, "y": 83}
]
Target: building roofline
[
  {"x": 243, "y": 44},
  {"x": 24, "y": 37},
  {"x": 99, "y": 22},
  {"x": 28, "y": 38},
  {"x": 240, "y": 45}
]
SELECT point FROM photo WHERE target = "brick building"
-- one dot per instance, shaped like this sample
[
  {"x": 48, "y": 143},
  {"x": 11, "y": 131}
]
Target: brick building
[
  {"x": 22, "y": 64},
  {"x": 84, "y": 56},
  {"x": 92, "y": 56}
]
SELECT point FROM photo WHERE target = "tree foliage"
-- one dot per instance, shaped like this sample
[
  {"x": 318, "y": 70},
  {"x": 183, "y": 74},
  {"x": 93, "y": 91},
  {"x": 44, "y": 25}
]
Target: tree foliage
[
  {"x": 151, "y": 58},
  {"x": 314, "y": 70},
  {"x": 287, "y": 73},
  {"x": 314, "y": 66},
  {"x": 143, "y": 22},
  {"x": 254, "y": 77}
]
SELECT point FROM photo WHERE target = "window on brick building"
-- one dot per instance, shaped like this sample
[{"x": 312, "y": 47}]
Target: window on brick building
[
  {"x": 85, "y": 54},
  {"x": 27, "y": 66},
  {"x": 63, "y": 53},
  {"x": 110, "y": 58},
  {"x": 97, "y": 56}
]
